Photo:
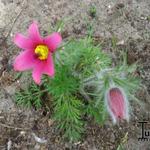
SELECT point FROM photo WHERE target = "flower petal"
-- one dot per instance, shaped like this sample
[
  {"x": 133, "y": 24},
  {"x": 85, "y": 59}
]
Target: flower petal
[
  {"x": 43, "y": 67},
  {"x": 34, "y": 34},
  {"x": 37, "y": 72},
  {"x": 53, "y": 41},
  {"x": 23, "y": 42},
  {"x": 117, "y": 102},
  {"x": 24, "y": 61},
  {"x": 49, "y": 66}
]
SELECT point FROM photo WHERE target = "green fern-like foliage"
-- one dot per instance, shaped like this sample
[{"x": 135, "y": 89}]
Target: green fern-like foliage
[
  {"x": 79, "y": 59},
  {"x": 84, "y": 58},
  {"x": 29, "y": 97},
  {"x": 63, "y": 83},
  {"x": 68, "y": 114},
  {"x": 83, "y": 74},
  {"x": 97, "y": 112}
]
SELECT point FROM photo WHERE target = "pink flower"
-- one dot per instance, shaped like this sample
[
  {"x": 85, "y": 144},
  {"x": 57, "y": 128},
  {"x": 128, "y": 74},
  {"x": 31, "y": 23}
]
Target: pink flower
[
  {"x": 37, "y": 52},
  {"x": 117, "y": 104}
]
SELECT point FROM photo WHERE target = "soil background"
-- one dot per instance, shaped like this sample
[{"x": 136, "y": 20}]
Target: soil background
[{"x": 119, "y": 25}]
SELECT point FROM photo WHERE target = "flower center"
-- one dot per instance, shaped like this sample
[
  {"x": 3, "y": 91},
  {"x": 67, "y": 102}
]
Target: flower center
[{"x": 42, "y": 52}]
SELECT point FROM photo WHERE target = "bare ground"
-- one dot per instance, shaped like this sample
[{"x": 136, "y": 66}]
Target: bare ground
[{"x": 125, "y": 21}]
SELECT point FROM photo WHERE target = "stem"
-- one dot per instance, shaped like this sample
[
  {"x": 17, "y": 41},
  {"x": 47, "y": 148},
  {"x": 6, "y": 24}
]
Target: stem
[
  {"x": 89, "y": 79},
  {"x": 97, "y": 75},
  {"x": 84, "y": 94},
  {"x": 63, "y": 45},
  {"x": 92, "y": 94},
  {"x": 13, "y": 127},
  {"x": 57, "y": 58}
]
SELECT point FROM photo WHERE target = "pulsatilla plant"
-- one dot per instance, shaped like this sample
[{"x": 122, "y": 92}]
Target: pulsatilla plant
[{"x": 84, "y": 84}]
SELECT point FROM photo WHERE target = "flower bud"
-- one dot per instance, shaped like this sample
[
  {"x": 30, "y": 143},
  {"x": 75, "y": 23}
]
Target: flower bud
[{"x": 117, "y": 104}]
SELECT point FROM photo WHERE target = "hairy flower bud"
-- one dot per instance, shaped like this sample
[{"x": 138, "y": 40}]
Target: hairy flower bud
[{"x": 117, "y": 104}]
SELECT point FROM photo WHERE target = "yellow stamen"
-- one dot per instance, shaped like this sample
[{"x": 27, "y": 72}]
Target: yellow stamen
[{"x": 42, "y": 52}]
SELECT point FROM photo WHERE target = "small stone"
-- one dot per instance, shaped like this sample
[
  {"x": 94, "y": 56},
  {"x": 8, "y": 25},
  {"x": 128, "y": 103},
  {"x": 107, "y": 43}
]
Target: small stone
[
  {"x": 120, "y": 42},
  {"x": 37, "y": 147},
  {"x": 112, "y": 138},
  {"x": 23, "y": 133},
  {"x": 50, "y": 122}
]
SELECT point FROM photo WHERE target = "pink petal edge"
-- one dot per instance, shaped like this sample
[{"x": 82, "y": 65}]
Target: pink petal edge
[
  {"x": 53, "y": 41},
  {"x": 24, "y": 61},
  {"x": 34, "y": 33},
  {"x": 23, "y": 42},
  {"x": 36, "y": 75},
  {"x": 49, "y": 66}
]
